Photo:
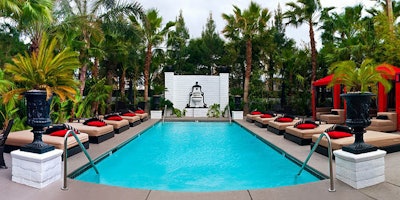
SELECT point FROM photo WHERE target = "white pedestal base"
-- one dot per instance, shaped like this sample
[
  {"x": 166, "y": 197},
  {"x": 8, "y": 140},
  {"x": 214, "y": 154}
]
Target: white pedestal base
[
  {"x": 360, "y": 170},
  {"x": 237, "y": 114},
  {"x": 196, "y": 112},
  {"x": 36, "y": 170},
  {"x": 156, "y": 114}
]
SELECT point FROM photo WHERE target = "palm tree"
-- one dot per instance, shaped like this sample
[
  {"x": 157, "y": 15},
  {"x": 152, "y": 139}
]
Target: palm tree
[
  {"x": 117, "y": 46},
  {"x": 82, "y": 19},
  {"x": 44, "y": 70},
  {"x": 344, "y": 30},
  {"x": 246, "y": 26},
  {"x": 35, "y": 19},
  {"x": 305, "y": 11},
  {"x": 10, "y": 7},
  {"x": 153, "y": 35}
]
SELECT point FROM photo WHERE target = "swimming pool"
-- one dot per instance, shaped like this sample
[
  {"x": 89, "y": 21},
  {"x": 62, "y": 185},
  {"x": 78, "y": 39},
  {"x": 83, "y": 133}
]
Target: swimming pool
[{"x": 198, "y": 157}]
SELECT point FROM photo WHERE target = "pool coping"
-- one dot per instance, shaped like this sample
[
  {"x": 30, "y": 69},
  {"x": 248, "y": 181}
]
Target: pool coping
[{"x": 314, "y": 172}]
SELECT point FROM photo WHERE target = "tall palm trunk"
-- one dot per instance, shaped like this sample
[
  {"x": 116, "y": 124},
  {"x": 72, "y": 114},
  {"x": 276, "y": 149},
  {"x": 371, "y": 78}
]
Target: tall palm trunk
[
  {"x": 34, "y": 48},
  {"x": 95, "y": 70},
  {"x": 122, "y": 84},
  {"x": 110, "y": 76},
  {"x": 95, "y": 74},
  {"x": 83, "y": 70},
  {"x": 389, "y": 10},
  {"x": 146, "y": 75},
  {"x": 247, "y": 77},
  {"x": 82, "y": 75},
  {"x": 313, "y": 53}
]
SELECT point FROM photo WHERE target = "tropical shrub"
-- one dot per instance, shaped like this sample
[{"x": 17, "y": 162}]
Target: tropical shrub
[{"x": 214, "y": 111}]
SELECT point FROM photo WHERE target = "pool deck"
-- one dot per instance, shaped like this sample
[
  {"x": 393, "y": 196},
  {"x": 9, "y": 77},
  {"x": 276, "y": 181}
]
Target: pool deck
[{"x": 389, "y": 190}]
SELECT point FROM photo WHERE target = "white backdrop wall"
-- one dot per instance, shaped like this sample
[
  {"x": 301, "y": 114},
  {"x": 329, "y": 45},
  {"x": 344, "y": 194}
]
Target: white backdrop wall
[{"x": 215, "y": 88}]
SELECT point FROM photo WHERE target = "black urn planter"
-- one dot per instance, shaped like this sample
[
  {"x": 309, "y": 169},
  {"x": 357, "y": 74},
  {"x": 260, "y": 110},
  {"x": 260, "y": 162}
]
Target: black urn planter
[
  {"x": 357, "y": 118},
  {"x": 156, "y": 102},
  {"x": 238, "y": 102},
  {"x": 38, "y": 111}
]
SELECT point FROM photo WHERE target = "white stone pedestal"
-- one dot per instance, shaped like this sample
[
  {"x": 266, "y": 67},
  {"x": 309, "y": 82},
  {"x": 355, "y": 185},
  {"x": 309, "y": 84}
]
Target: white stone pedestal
[
  {"x": 237, "y": 114},
  {"x": 196, "y": 112},
  {"x": 36, "y": 170},
  {"x": 360, "y": 170},
  {"x": 156, "y": 114}
]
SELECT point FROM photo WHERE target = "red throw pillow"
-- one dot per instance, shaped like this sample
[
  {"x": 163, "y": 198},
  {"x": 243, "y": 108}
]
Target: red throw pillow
[
  {"x": 60, "y": 133},
  {"x": 129, "y": 114},
  {"x": 338, "y": 134},
  {"x": 115, "y": 118},
  {"x": 306, "y": 126},
  {"x": 139, "y": 111},
  {"x": 256, "y": 113},
  {"x": 96, "y": 123},
  {"x": 285, "y": 119},
  {"x": 266, "y": 116}
]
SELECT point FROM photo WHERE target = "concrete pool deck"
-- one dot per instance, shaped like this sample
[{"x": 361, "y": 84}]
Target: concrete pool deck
[{"x": 389, "y": 190}]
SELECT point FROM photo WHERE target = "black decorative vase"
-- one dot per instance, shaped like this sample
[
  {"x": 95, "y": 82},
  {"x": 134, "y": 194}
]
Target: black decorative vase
[
  {"x": 357, "y": 118},
  {"x": 156, "y": 102},
  {"x": 238, "y": 102},
  {"x": 38, "y": 111}
]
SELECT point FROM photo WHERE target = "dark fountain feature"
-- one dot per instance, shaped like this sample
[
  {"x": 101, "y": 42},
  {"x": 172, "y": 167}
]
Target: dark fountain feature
[
  {"x": 357, "y": 118},
  {"x": 38, "y": 111},
  {"x": 196, "y": 97}
]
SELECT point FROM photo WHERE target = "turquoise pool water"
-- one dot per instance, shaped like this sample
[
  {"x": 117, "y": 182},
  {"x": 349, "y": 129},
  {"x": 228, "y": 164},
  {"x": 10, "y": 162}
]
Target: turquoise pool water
[{"x": 202, "y": 156}]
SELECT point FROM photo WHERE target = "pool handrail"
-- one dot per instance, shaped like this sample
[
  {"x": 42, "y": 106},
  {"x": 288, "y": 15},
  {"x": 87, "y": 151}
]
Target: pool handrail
[
  {"x": 65, "y": 187},
  {"x": 332, "y": 183},
  {"x": 229, "y": 113},
  {"x": 165, "y": 112}
]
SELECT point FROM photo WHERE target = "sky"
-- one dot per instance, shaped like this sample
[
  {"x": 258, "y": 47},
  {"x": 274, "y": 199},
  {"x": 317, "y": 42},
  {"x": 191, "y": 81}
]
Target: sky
[{"x": 196, "y": 13}]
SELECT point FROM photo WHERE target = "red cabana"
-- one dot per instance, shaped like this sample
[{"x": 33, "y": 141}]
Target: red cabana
[{"x": 383, "y": 97}]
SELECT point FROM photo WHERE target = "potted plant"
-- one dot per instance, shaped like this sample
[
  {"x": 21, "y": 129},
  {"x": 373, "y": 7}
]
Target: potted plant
[
  {"x": 360, "y": 82},
  {"x": 42, "y": 74},
  {"x": 158, "y": 90},
  {"x": 236, "y": 93}
]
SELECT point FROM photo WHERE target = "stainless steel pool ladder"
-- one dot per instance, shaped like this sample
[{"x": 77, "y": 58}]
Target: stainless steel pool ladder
[
  {"x": 165, "y": 112},
  {"x": 332, "y": 183},
  {"x": 65, "y": 187},
  {"x": 229, "y": 113}
]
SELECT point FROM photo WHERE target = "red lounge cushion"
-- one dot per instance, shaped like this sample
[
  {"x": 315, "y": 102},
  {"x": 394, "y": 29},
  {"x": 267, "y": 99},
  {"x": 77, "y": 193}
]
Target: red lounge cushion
[
  {"x": 306, "y": 126},
  {"x": 115, "y": 118},
  {"x": 338, "y": 134},
  {"x": 285, "y": 119},
  {"x": 96, "y": 123},
  {"x": 139, "y": 111},
  {"x": 266, "y": 116},
  {"x": 61, "y": 133},
  {"x": 129, "y": 114},
  {"x": 256, "y": 113}
]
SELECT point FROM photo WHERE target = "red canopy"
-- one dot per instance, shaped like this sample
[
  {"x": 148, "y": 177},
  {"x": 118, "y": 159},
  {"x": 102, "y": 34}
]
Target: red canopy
[
  {"x": 323, "y": 81},
  {"x": 389, "y": 69}
]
